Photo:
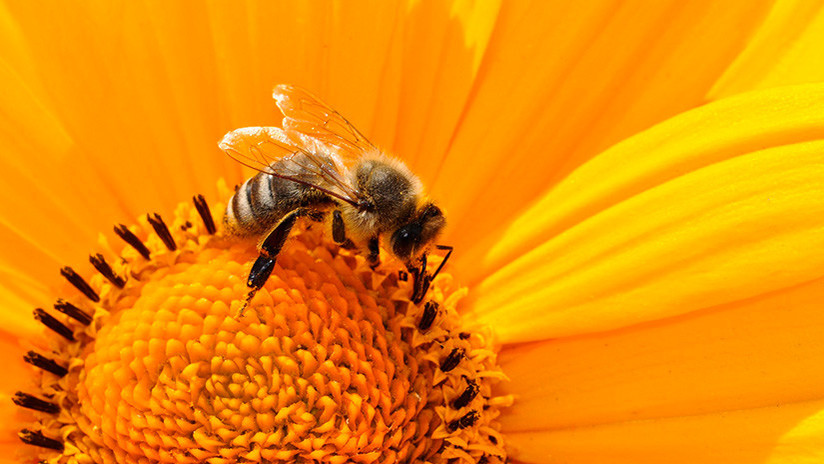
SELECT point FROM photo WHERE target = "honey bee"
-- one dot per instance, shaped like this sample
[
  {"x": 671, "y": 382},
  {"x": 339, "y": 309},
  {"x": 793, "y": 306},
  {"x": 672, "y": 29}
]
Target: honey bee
[{"x": 318, "y": 164}]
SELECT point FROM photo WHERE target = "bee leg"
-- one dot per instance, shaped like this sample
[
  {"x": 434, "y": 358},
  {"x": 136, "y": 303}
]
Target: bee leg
[
  {"x": 420, "y": 281},
  {"x": 338, "y": 227},
  {"x": 339, "y": 232},
  {"x": 269, "y": 250},
  {"x": 374, "y": 257}
]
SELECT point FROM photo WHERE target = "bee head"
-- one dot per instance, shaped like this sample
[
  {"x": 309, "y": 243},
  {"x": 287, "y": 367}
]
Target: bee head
[{"x": 412, "y": 238}]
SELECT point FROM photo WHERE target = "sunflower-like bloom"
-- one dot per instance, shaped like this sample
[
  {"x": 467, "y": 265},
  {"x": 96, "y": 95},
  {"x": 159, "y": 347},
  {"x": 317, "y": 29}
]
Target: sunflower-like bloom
[{"x": 634, "y": 192}]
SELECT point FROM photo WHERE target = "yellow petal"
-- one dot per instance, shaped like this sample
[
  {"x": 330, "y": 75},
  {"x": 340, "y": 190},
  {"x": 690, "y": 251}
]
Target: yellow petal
[
  {"x": 783, "y": 434},
  {"x": 719, "y": 204},
  {"x": 562, "y": 81},
  {"x": 749, "y": 354},
  {"x": 786, "y": 50},
  {"x": 439, "y": 60}
]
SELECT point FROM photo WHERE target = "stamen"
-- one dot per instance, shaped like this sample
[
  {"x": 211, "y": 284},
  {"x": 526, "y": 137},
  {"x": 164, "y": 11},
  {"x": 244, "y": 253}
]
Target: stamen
[
  {"x": 32, "y": 402},
  {"x": 124, "y": 233},
  {"x": 468, "y": 395},
  {"x": 38, "y": 360},
  {"x": 467, "y": 420},
  {"x": 49, "y": 321},
  {"x": 403, "y": 276},
  {"x": 430, "y": 310},
  {"x": 72, "y": 311},
  {"x": 162, "y": 231},
  {"x": 80, "y": 284},
  {"x": 99, "y": 263},
  {"x": 452, "y": 360},
  {"x": 30, "y": 437},
  {"x": 205, "y": 214}
]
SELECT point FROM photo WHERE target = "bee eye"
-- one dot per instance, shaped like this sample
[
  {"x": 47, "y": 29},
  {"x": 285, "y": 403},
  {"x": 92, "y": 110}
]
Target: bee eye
[{"x": 405, "y": 239}]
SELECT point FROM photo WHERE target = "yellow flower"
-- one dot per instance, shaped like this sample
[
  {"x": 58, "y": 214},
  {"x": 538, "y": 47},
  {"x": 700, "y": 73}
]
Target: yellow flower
[{"x": 633, "y": 188}]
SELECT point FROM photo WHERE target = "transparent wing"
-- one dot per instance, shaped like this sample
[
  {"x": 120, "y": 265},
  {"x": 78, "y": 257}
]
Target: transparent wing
[
  {"x": 305, "y": 114},
  {"x": 270, "y": 151}
]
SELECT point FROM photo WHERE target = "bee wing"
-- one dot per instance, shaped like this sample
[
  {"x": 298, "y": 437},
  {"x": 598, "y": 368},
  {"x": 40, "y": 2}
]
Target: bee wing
[
  {"x": 307, "y": 115},
  {"x": 260, "y": 148}
]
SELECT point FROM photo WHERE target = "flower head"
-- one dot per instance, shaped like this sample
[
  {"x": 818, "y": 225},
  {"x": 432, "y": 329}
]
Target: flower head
[{"x": 633, "y": 193}]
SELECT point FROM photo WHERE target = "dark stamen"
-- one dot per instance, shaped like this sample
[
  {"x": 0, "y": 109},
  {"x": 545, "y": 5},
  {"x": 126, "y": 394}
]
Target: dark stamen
[
  {"x": 124, "y": 233},
  {"x": 99, "y": 263},
  {"x": 403, "y": 276},
  {"x": 31, "y": 402},
  {"x": 205, "y": 214},
  {"x": 53, "y": 324},
  {"x": 467, "y": 420},
  {"x": 73, "y": 312},
  {"x": 468, "y": 395},
  {"x": 80, "y": 284},
  {"x": 430, "y": 310},
  {"x": 162, "y": 231},
  {"x": 38, "y": 360},
  {"x": 30, "y": 437},
  {"x": 452, "y": 361}
]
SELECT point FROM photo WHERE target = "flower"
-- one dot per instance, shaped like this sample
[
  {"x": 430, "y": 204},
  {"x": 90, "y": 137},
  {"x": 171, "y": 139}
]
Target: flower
[{"x": 633, "y": 190}]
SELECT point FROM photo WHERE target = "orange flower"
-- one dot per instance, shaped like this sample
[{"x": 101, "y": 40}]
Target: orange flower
[{"x": 633, "y": 189}]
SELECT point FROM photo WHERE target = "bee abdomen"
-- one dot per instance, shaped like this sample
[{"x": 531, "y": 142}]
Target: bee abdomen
[{"x": 252, "y": 209}]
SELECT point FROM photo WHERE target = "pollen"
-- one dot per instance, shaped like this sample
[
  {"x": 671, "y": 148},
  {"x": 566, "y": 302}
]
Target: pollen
[{"x": 330, "y": 363}]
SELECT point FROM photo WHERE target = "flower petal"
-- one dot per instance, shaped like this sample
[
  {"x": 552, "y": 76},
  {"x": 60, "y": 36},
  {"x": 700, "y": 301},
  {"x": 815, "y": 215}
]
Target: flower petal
[
  {"x": 561, "y": 81},
  {"x": 785, "y": 50},
  {"x": 438, "y": 62},
  {"x": 789, "y": 433},
  {"x": 719, "y": 204},
  {"x": 737, "y": 383},
  {"x": 745, "y": 355}
]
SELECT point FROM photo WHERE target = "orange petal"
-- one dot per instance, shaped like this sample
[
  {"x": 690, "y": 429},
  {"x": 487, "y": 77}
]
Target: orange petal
[
  {"x": 785, "y": 50},
  {"x": 715, "y": 205},
  {"x": 561, "y": 81},
  {"x": 784, "y": 434},
  {"x": 736, "y": 383},
  {"x": 748, "y": 354},
  {"x": 440, "y": 52}
]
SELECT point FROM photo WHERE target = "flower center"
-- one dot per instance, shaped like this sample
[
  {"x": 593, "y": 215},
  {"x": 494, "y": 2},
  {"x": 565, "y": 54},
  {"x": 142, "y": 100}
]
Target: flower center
[{"x": 331, "y": 362}]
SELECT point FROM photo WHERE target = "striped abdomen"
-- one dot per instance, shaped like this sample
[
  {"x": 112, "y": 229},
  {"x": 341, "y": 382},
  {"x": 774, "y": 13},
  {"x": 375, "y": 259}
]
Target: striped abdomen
[{"x": 261, "y": 201}]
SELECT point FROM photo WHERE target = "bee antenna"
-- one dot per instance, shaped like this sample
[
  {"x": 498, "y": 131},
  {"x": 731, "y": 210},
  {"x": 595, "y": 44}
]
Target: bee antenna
[{"x": 445, "y": 258}]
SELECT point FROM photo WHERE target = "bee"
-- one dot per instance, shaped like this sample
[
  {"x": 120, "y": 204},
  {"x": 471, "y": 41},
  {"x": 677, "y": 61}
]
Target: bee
[{"x": 320, "y": 167}]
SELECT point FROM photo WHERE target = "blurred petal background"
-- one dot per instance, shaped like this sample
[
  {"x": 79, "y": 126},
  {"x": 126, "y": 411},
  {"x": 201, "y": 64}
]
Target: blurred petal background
[{"x": 633, "y": 188}]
